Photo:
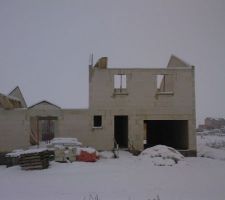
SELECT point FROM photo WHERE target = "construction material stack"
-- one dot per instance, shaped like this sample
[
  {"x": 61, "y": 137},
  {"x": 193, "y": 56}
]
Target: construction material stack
[
  {"x": 34, "y": 159},
  {"x": 87, "y": 154},
  {"x": 13, "y": 157},
  {"x": 65, "y": 154},
  {"x": 65, "y": 149}
]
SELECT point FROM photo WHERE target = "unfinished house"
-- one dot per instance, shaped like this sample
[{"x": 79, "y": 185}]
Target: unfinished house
[{"x": 134, "y": 108}]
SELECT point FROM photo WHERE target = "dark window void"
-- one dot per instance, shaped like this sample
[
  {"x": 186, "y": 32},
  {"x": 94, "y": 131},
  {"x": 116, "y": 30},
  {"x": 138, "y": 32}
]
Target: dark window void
[
  {"x": 173, "y": 133},
  {"x": 121, "y": 131},
  {"x": 97, "y": 121}
]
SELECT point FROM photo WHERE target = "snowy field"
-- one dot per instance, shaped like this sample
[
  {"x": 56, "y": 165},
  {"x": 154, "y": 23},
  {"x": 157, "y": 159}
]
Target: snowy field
[{"x": 127, "y": 178}]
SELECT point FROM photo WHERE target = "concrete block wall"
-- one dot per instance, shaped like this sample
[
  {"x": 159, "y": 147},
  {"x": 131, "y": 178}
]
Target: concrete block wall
[
  {"x": 142, "y": 102},
  {"x": 139, "y": 101},
  {"x": 13, "y": 130},
  {"x": 142, "y": 91},
  {"x": 74, "y": 123},
  {"x": 79, "y": 123}
]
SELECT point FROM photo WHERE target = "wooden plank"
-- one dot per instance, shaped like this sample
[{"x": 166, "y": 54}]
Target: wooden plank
[
  {"x": 35, "y": 157},
  {"x": 34, "y": 167},
  {"x": 32, "y": 164},
  {"x": 33, "y": 161},
  {"x": 35, "y": 154}
]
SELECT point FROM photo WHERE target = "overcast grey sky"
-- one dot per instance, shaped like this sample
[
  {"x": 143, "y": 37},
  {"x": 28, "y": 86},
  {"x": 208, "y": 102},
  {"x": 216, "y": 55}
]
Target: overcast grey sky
[{"x": 45, "y": 45}]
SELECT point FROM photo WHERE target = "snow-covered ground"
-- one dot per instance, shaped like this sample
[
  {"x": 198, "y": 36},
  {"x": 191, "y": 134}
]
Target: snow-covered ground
[
  {"x": 211, "y": 144},
  {"x": 127, "y": 178}
]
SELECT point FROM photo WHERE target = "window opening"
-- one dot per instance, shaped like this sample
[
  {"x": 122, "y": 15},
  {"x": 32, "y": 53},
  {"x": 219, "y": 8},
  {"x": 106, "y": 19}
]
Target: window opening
[
  {"x": 97, "y": 121},
  {"x": 164, "y": 84},
  {"x": 120, "y": 81},
  {"x": 161, "y": 82}
]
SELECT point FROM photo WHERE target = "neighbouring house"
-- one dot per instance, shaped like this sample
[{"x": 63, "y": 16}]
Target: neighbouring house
[{"x": 133, "y": 108}]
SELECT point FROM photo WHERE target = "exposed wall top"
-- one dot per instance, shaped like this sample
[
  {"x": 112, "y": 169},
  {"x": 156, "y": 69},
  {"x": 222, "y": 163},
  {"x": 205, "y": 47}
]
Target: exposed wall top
[
  {"x": 177, "y": 62},
  {"x": 102, "y": 63},
  {"x": 144, "y": 90},
  {"x": 9, "y": 102}
]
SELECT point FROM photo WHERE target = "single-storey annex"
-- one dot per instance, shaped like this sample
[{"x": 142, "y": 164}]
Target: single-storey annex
[{"x": 133, "y": 108}]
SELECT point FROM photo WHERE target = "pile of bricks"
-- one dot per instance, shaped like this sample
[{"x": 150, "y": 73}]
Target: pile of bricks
[{"x": 34, "y": 160}]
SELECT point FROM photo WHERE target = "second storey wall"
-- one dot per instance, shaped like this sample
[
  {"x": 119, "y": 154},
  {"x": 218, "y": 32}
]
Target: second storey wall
[{"x": 142, "y": 91}]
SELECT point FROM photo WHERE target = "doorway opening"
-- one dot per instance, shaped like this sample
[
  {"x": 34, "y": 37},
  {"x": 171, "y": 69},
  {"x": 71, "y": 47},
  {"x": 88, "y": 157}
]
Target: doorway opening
[
  {"x": 42, "y": 129},
  {"x": 121, "y": 130},
  {"x": 47, "y": 128},
  {"x": 173, "y": 133}
]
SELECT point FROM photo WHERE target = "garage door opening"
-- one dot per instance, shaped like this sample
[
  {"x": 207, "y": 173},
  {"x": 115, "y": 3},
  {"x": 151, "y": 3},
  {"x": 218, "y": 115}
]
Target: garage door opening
[
  {"x": 121, "y": 131},
  {"x": 173, "y": 133}
]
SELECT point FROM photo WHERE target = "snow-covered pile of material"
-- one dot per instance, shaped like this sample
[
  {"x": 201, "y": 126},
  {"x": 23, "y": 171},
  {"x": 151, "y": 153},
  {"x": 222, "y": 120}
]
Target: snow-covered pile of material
[
  {"x": 65, "y": 142},
  {"x": 18, "y": 152},
  {"x": 64, "y": 154},
  {"x": 15, "y": 153},
  {"x": 86, "y": 154},
  {"x": 86, "y": 149},
  {"x": 31, "y": 151},
  {"x": 162, "y": 155}
]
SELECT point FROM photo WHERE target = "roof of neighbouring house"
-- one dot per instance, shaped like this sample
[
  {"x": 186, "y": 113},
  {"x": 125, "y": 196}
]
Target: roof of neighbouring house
[
  {"x": 16, "y": 92},
  {"x": 44, "y": 102}
]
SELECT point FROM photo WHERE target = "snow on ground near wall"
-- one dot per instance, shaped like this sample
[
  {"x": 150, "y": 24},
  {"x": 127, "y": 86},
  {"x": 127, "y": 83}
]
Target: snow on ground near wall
[{"x": 126, "y": 178}]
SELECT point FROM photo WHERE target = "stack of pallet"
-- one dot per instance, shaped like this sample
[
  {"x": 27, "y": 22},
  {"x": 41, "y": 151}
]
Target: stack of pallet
[{"x": 34, "y": 159}]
